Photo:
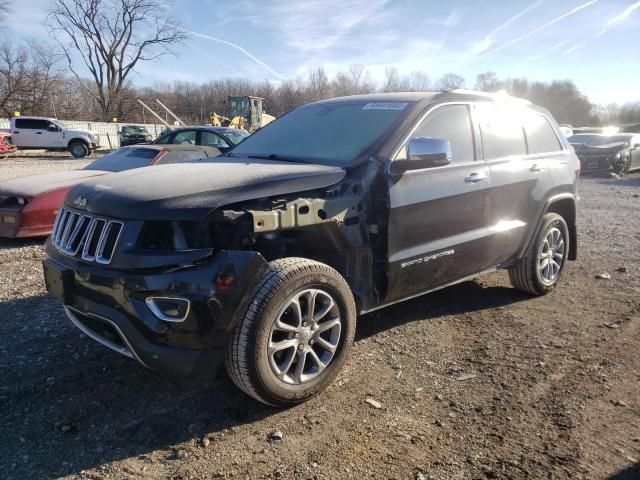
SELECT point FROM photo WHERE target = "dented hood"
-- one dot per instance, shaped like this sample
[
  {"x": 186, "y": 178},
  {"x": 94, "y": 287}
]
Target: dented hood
[{"x": 189, "y": 191}]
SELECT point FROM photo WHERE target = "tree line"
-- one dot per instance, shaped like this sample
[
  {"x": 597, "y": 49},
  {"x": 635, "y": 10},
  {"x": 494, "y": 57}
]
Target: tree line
[{"x": 90, "y": 36}]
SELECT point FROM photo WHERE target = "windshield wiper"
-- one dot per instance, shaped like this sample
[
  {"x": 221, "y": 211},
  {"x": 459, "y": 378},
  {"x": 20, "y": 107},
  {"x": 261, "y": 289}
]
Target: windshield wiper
[{"x": 275, "y": 156}]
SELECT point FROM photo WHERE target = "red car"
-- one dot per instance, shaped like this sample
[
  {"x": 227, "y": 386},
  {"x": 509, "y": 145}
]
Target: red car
[
  {"x": 6, "y": 148},
  {"x": 28, "y": 205}
]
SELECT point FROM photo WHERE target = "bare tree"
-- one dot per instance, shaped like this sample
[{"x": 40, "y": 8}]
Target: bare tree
[
  {"x": 111, "y": 37},
  {"x": 391, "y": 80},
  {"x": 450, "y": 81},
  {"x": 14, "y": 76},
  {"x": 418, "y": 82},
  {"x": 487, "y": 82}
]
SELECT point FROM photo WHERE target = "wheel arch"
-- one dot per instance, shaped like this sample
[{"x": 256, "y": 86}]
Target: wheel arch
[
  {"x": 78, "y": 139},
  {"x": 565, "y": 206}
]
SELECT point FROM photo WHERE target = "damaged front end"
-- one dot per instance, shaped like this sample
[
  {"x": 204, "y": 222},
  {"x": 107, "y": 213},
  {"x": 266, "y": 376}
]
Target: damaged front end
[{"x": 170, "y": 293}]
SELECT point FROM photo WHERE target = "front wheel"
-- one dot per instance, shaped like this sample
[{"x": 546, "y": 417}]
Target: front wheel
[
  {"x": 295, "y": 335},
  {"x": 79, "y": 149},
  {"x": 539, "y": 270}
]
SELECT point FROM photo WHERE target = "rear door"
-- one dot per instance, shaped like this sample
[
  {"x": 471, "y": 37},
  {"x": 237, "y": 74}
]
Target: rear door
[
  {"x": 519, "y": 174},
  {"x": 24, "y": 132},
  {"x": 439, "y": 216}
]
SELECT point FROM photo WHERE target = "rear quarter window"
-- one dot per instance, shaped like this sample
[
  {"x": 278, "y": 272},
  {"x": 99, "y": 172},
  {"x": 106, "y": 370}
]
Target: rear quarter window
[
  {"x": 501, "y": 129},
  {"x": 541, "y": 136}
]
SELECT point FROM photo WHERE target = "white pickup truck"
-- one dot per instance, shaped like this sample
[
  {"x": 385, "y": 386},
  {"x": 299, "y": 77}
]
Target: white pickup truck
[{"x": 50, "y": 134}]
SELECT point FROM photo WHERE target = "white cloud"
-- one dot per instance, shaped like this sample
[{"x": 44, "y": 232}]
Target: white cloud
[
  {"x": 618, "y": 18},
  {"x": 542, "y": 27},
  {"x": 239, "y": 48},
  {"x": 486, "y": 43}
]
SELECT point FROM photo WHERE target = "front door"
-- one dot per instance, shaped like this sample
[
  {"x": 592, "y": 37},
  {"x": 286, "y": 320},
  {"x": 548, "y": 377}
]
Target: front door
[
  {"x": 51, "y": 135},
  {"x": 439, "y": 217}
]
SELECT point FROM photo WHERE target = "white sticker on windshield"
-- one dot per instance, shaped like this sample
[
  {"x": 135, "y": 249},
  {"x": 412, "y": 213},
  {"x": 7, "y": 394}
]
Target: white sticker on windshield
[{"x": 385, "y": 106}]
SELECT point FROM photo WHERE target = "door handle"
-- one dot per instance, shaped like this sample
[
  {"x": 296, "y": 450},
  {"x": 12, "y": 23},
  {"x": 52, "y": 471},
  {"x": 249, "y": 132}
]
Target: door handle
[
  {"x": 38, "y": 133},
  {"x": 536, "y": 168},
  {"x": 475, "y": 178}
]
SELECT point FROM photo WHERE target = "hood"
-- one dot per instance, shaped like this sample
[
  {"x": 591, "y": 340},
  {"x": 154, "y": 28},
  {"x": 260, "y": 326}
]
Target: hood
[
  {"x": 189, "y": 191},
  {"x": 604, "y": 149},
  {"x": 47, "y": 182},
  {"x": 77, "y": 131}
]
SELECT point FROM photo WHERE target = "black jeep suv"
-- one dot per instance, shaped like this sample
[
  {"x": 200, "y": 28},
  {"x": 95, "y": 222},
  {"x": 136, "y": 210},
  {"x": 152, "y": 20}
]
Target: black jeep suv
[{"x": 262, "y": 259}]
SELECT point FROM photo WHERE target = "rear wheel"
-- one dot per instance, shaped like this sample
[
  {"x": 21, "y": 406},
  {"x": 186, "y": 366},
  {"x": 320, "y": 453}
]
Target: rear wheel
[
  {"x": 295, "y": 335},
  {"x": 539, "y": 270},
  {"x": 79, "y": 149}
]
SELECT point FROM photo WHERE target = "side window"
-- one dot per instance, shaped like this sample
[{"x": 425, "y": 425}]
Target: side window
[
  {"x": 28, "y": 124},
  {"x": 186, "y": 137},
  {"x": 165, "y": 139},
  {"x": 210, "y": 139},
  {"x": 452, "y": 123},
  {"x": 541, "y": 136},
  {"x": 501, "y": 130}
]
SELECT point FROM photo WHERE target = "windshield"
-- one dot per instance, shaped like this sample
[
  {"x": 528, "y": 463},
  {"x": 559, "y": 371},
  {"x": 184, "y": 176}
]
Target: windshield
[
  {"x": 124, "y": 159},
  {"x": 596, "y": 140},
  {"x": 235, "y": 136},
  {"x": 134, "y": 129},
  {"x": 332, "y": 133}
]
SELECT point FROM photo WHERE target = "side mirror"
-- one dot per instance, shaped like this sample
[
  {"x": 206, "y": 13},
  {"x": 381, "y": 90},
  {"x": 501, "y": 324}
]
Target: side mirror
[
  {"x": 424, "y": 152},
  {"x": 637, "y": 145}
]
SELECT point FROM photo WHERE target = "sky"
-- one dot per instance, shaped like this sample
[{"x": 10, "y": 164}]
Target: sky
[{"x": 595, "y": 43}]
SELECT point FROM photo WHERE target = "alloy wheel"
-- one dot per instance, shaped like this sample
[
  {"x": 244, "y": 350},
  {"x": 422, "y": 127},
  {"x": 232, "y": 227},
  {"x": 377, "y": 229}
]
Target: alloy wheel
[
  {"x": 304, "y": 336},
  {"x": 551, "y": 256}
]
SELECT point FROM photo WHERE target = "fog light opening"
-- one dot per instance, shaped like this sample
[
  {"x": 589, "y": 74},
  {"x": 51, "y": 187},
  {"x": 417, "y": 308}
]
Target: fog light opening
[{"x": 169, "y": 309}]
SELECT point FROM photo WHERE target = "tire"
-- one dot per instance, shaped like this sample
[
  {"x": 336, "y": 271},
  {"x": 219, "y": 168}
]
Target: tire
[
  {"x": 79, "y": 149},
  {"x": 529, "y": 275},
  {"x": 271, "y": 318}
]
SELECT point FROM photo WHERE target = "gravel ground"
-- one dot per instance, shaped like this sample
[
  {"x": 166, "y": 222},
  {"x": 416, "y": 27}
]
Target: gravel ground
[
  {"x": 37, "y": 161},
  {"x": 476, "y": 381}
]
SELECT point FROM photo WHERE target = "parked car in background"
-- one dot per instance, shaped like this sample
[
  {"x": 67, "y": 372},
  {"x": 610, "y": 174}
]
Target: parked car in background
[
  {"x": 619, "y": 153},
  {"x": 223, "y": 138},
  {"x": 133, "y": 134},
  {"x": 51, "y": 134},
  {"x": 566, "y": 129},
  {"x": 6, "y": 147},
  {"x": 28, "y": 205},
  {"x": 263, "y": 259},
  {"x": 629, "y": 128}
]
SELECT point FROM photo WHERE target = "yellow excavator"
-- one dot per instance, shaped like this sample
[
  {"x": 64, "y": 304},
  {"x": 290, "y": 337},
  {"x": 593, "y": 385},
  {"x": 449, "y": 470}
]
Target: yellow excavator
[{"x": 244, "y": 113}]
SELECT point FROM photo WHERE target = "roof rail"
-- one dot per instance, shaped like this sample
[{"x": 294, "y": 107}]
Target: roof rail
[{"x": 501, "y": 96}]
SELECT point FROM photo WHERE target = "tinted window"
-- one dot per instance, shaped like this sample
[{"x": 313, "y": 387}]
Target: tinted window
[
  {"x": 502, "y": 132},
  {"x": 210, "y": 139},
  {"x": 540, "y": 135},
  {"x": 32, "y": 124},
  {"x": 124, "y": 159},
  {"x": 330, "y": 133},
  {"x": 165, "y": 139},
  {"x": 185, "y": 137},
  {"x": 452, "y": 123},
  {"x": 235, "y": 136},
  {"x": 134, "y": 129}
]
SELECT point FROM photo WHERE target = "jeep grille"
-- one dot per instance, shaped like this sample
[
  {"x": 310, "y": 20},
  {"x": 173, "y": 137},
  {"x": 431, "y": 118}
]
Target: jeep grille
[{"x": 93, "y": 238}]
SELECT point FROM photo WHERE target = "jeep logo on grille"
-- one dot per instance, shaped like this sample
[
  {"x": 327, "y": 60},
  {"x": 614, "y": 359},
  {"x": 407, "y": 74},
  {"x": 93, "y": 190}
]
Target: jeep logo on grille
[{"x": 80, "y": 202}]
